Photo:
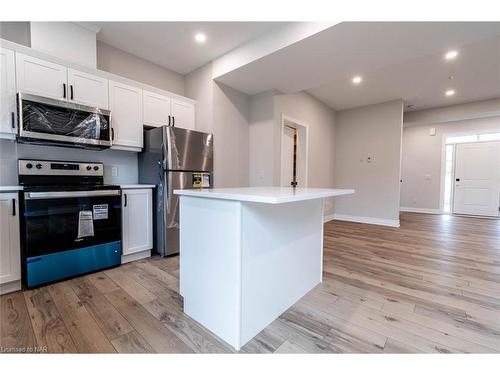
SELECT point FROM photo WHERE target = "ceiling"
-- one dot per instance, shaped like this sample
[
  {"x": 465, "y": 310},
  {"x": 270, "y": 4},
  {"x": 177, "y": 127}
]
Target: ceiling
[
  {"x": 172, "y": 45},
  {"x": 395, "y": 59}
]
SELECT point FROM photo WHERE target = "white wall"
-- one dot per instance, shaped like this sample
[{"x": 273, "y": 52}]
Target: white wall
[
  {"x": 66, "y": 40},
  {"x": 422, "y": 153},
  {"x": 10, "y": 152},
  {"x": 116, "y": 61},
  {"x": 374, "y": 131},
  {"x": 199, "y": 86},
  {"x": 225, "y": 113},
  {"x": 262, "y": 141}
]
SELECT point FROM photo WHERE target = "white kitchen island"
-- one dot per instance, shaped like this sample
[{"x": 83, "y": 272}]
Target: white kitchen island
[{"x": 248, "y": 254}]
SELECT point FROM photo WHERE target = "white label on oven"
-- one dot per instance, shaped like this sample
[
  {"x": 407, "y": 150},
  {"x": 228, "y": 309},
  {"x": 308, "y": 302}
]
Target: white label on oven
[
  {"x": 100, "y": 211},
  {"x": 85, "y": 224}
]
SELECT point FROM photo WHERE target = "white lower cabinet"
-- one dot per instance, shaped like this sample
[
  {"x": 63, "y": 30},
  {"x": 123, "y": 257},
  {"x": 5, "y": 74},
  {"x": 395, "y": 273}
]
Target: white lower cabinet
[
  {"x": 10, "y": 249},
  {"x": 137, "y": 224}
]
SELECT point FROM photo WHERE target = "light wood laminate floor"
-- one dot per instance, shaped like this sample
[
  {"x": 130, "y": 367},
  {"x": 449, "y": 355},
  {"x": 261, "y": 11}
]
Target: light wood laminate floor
[{"x": 431, "y": 286}]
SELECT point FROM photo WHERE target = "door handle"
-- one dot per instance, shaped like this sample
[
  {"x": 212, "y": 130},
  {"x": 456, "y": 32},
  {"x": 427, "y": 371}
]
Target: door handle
[
  {"x": 71, "y": 91},
  {"x": 173, "y": 121},
  {"x": 13, "y": 207},
  {"x": 64, "y": 90},
  {"x": 125, "y": 203},
  {"x": 457, "y": 179},
  {"x": 13, "y": 118},
  {"x": 169, "y": 118}
]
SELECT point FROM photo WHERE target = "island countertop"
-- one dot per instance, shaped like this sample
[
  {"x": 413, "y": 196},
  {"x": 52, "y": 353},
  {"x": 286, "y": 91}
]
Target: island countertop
[{"x": 271, "y": 194}]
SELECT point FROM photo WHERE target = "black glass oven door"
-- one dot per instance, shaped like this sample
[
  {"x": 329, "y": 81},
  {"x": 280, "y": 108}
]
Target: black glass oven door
[{"x": 61, "y": 221}]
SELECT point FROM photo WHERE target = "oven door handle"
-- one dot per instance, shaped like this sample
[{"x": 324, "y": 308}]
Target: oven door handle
[{"x": 70, "y": 194}]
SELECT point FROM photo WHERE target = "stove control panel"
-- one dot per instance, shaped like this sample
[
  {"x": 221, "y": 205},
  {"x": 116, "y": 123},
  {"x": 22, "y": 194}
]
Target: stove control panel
[{"x": 60, "y": 168}]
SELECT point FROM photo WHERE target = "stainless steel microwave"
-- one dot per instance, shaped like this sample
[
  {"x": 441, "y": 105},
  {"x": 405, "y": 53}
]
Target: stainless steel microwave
[{"x": 50, "y": 121}]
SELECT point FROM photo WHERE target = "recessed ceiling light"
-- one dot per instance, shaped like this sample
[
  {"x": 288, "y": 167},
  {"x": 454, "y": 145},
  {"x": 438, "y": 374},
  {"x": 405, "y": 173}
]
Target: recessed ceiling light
[
  {"x": 450, "y": 55},
  {"x": 450, "y": 92},
  {"x": 200, "y": 38},
  {"x": 357, "y": 80}
]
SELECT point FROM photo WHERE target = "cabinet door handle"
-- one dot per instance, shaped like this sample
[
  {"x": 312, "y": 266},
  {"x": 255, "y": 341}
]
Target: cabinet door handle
[
  {"x": 173, "y": 121},
  {"x": 13, "y": 117},
  {"x": 64, "y": 90},
  {"x": 13, "y": 207},
  {"x": 112, "y": 134},
  {"x": 71, "y": 91},
  {"x": 169, "y": 118},
  {"x": 125, "y": 197}
]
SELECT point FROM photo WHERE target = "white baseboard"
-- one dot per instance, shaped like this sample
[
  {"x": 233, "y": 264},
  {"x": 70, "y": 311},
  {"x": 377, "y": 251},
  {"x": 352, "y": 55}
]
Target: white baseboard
[
  {"x": 328, "y": 218},
  {"x": 434, "y": 211},
  {"x": 136, "y": 256},
  {"x": 10, "y": 287},
  {"x": 367, "y": 220}
]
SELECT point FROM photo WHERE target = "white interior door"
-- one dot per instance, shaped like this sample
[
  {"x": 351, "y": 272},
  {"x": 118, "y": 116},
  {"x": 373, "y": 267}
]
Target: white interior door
[
  {"x": 477, "y": 179},
  {"x": 287, "y": 156}
]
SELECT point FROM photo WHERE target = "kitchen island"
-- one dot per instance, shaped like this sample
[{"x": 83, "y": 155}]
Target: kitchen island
[{"x": 248, "y": 254}]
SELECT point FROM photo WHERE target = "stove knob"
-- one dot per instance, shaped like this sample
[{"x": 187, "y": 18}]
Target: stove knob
[
  {"x": 29, "y": 165},
  {"x": 89, "y": 167},
  {"x": 96, "y": 168},
  {"x": 38, "y": 166}
]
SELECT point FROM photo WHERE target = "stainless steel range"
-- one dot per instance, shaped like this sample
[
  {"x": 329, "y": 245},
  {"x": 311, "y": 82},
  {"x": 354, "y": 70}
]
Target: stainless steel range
[{"x": 70, "y": 220}]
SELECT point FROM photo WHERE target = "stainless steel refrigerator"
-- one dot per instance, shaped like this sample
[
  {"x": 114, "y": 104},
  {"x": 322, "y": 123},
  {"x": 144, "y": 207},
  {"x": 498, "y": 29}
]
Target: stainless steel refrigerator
[{"x": 174, "y": 158}]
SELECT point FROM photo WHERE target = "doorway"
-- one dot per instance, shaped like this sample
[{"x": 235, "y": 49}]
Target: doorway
[
  {"x": 477, "y": 179},
  {"x": 471, "y": 174},
  {"x": 294, "y": 152}
]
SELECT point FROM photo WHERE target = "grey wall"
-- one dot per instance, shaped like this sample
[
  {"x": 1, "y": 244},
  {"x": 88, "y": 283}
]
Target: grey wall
[
  {"x": 422, "y": 153},
  {"x": 262, "y": 141},
  {"x": 17, "y": 32},
  {"x": 224, "y": 112},
  {"x": 11, "y": 151},
  {"x": 374, "y": 131},
  {"x": 116, "y": 61},
  {"x": 266, "y": 111}
]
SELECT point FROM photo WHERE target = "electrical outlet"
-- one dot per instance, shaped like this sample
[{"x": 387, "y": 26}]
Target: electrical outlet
[{"x": 114, "y": 171}]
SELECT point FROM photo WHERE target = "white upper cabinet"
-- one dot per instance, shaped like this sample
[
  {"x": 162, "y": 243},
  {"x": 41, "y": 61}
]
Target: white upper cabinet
[
  {"x": 40, "y": 77},
  {"x": 125, "y": 103},
  {"x": 87, "y": 89},
  {"x": 10, "y": 250},
  {"x": 156, "y": 109},
  {"x": 182, "y": 114},
  {"x": 8, "y": 126}
]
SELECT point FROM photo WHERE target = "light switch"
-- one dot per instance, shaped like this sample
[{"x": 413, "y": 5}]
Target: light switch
[
  {"x": 432, "y": 131},
  {"x": 114, "y": 171}
]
